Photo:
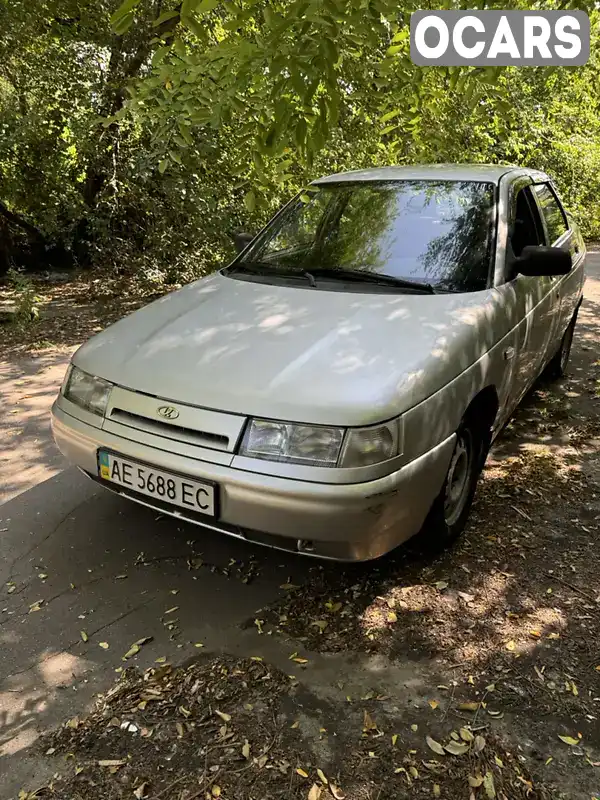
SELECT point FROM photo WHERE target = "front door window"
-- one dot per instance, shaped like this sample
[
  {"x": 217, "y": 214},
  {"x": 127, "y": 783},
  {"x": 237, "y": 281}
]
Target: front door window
[{"x": 526, "y": 226}]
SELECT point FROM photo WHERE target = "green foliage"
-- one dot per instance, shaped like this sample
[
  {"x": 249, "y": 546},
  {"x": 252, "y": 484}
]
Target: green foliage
[
  {"x": 26, "y": 299},
  {"x": 282, "y": 77},
  {"x": 141, "y": 135}
]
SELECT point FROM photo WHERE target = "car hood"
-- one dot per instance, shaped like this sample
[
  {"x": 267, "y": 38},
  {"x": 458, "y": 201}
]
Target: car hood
[{"x": 301, "y": 354}]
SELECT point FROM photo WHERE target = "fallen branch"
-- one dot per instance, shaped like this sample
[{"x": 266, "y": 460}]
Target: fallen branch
[
  {"x": 572, "y": 586},
  {"x": 163, "y": 792}
]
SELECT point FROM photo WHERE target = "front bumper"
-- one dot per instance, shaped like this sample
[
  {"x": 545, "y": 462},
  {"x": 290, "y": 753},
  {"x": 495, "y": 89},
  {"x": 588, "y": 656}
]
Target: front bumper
[{"x": 351, "y": 522}]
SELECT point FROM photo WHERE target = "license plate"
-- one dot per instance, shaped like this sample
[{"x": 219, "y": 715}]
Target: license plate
[{"x": 174, "y": 489}]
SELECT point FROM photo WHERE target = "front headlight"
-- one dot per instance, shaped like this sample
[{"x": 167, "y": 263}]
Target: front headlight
[
  {"x": 86, "y": 391},
  {"x": 319, "y": 445},
  {"x": 311, "y": 445}
]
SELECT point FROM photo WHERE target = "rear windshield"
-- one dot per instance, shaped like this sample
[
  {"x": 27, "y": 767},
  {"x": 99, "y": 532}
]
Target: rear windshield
[{"x": 439, "y": 232}]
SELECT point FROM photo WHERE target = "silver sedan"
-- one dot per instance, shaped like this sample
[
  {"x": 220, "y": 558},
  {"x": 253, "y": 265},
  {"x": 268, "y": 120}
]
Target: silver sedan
[{"x": 334, "y": 390}]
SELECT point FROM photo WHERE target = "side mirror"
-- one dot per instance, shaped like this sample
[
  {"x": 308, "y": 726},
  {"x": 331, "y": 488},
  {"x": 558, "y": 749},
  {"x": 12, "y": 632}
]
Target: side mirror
[
  {"x": 543, "y": 261},
  {"x": 242, "y": 240}
]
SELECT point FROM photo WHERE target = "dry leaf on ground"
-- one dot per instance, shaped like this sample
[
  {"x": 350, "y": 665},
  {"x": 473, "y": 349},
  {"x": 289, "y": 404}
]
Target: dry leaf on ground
[{"x": 435, "y": 746}]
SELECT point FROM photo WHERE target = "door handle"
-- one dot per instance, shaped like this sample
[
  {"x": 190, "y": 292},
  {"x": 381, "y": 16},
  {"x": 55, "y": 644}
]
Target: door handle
[{"x": 509, "y": 353}]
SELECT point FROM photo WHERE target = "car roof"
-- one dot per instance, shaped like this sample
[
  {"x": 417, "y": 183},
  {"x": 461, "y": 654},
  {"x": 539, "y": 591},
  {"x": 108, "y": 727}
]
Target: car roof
[{"x": 488, "y": 173}]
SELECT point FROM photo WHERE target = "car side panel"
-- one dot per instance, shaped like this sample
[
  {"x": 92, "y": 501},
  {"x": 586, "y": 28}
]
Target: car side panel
[
  {"x": 534, "y": 300},
  {"x": 567, "y": 288},
  {"x": 570, "y": 287},
  {"x": 511, "y": 366},
  {"x": 535, "y": 305},
  {"x": 437, "y": 417}
]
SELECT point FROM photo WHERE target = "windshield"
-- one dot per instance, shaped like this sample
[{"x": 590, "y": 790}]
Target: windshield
[{"x": 436, "y": 232}]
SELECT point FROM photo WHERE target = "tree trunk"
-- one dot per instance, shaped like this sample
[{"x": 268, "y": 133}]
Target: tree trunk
[{"x": 120, "y": 72}]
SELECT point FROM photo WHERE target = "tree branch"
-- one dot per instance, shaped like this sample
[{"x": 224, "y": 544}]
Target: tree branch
[{"x": 15, "y": 219}]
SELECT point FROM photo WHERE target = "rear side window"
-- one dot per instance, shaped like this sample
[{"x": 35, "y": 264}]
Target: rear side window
[{"x": 551, "y": 211}]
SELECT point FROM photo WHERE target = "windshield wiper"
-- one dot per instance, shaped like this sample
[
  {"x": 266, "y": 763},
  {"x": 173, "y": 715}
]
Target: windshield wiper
[
  {"x": 348, "y": 275},
  {"x": 261, "y": 268},
  {"x": 361, "y": 276}
]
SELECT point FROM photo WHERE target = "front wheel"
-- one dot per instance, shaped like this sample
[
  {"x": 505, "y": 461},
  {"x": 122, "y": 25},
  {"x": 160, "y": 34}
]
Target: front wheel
[{"x": 450, "y": 511}]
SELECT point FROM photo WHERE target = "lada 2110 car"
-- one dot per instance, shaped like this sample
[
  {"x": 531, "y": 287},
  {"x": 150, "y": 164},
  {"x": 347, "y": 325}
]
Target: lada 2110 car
[{"x": 335, "y": 389}]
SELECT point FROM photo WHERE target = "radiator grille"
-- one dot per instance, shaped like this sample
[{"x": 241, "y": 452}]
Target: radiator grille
[{"x": 169, "y": 430}]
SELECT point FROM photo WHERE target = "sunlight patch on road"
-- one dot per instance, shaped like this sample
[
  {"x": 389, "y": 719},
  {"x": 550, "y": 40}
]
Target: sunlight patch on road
[
  {"x": 25, "y": 697},
  {"x": 61, "y": 669},
  {"x": 20, "y": 741}
]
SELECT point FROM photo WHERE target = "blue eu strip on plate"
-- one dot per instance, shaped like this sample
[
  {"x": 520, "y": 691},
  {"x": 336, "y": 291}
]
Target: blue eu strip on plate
[{"x": 104, "y": 465}]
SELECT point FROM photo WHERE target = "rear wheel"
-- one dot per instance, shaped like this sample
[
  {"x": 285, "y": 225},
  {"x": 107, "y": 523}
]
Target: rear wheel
[
  {"x": 450, "y": 511},
  {"x": 557, "y": 368}
]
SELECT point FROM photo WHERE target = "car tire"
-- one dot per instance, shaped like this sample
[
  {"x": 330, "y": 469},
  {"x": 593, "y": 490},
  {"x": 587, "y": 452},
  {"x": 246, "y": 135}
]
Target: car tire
[
  {"x": 557, "y": 367},
  {"x": 450, "y": 510}
]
